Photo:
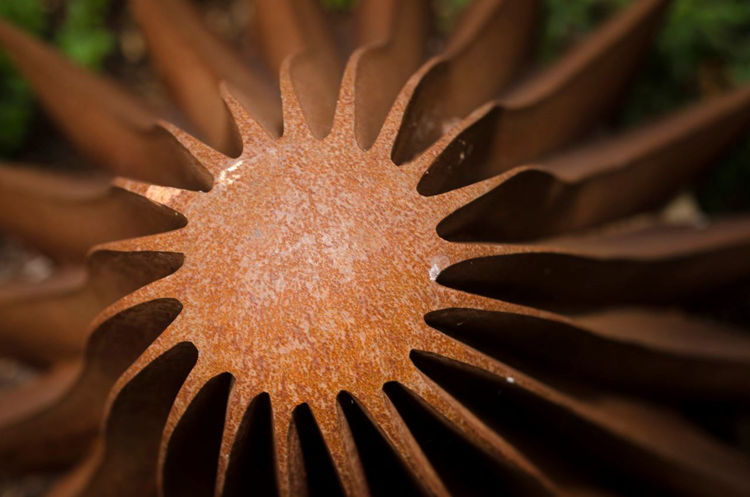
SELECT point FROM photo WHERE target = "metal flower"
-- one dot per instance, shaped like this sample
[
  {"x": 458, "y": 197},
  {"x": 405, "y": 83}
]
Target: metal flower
[{"x": 378, "y": 277}]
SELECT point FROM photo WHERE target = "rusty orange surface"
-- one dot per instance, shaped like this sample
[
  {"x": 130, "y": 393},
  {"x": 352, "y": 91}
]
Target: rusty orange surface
[{"x": 393, "y": 239}]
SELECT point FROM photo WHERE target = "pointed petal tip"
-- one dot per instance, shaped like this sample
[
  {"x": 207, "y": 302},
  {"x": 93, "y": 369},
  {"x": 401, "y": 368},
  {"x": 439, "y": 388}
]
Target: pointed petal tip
[{"x": 250, "y": 128}]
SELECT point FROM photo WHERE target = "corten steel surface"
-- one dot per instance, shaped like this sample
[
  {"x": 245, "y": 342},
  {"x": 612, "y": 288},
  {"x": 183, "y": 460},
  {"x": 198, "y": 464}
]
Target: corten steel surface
[{"x": 375, "y": 275}]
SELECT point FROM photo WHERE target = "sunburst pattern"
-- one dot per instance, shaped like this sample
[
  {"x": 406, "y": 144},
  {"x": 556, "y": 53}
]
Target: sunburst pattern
[{"x": 386, "y": 277}]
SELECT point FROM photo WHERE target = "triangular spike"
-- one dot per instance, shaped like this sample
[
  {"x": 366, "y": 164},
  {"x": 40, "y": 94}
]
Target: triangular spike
[
  {"x": 395, "y": 33},
  {"x": 161, "y": 242},
  {"x": 254, "y": 135},
  {"x": 339, "y": 441},
  {"x": 188, "y": 407},
  {"x": 450, "y": 298},
  {"x": 383, "y": 464},
  {"x": 681, "y": 333},
  {"x": 419, "y": 170},
  {"x": 193, "y": 62},
  {"x": 310, "y": 467},
  {"x": 287, "y": 28},
  {"x": 554, "y": 108},
  {"x": 64, "y": 216},
  {"x": 125, "y": 272},
  {"x": 509, "y": 470},
  {"x": 659, "y": 240},
  {"x": 661, "y": 265},
  {"x": 448, "y": 203},
  {"x": 344, "y": 118},
  {"x": 453, "y": 142},
  {"x": 110, "y": 126},
  {"x": 663, "y": 355},
  {"x": 286, "y": 452},
  {"x": 246, "y": 464},
  {"x": 47, "y": 437},
  {"x": 606, "y": 428},
  {"x": 716, "y": 357},
  {"x": 47, "y": 322},
  {"x": 297, "y": 125},
  {"x": 605, "y": 181},
  {"x": 596, "y": 71},
  {"x": 490, "y": 44},
  {"x": 384, "y": 143},
  {"x": 386, "y": 418},
  {"x": 210, "y": 160},
  {"x": 140, "y": 404},
  {"x": 40, "y": 426},
  {"x": 34, "y": 396},
  {"x": 698, "y": 132},
  {"x": 191, "y": 387},
  {"x": 193, "y": 444},
  {"x": 656, "y": 265},
  {"x": 152, "y": 293}
]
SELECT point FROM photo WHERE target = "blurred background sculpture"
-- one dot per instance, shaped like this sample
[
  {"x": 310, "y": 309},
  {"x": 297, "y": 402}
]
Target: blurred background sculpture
[{"x": 360, "y": 260}]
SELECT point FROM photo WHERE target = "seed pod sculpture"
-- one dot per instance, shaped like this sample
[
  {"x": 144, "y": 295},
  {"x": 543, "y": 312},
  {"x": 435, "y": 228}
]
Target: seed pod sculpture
[{"x": 375, "y": 271}]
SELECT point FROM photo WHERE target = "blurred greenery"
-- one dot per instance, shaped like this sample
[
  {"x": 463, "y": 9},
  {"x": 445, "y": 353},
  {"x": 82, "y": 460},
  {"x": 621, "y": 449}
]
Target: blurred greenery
[
  {"x": 702, "y": 49},
  {"x": 337, "y": 4},
  {"x": 16, "y": 101},
  {"x": 82, "y": 34}
]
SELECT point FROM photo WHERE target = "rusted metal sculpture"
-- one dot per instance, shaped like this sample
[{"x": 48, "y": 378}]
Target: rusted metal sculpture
[{"x": 387, "y": 277}]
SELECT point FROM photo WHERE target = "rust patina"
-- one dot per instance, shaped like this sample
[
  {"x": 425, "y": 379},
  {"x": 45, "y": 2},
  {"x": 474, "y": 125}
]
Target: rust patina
[{"x": 372, "y": 274}]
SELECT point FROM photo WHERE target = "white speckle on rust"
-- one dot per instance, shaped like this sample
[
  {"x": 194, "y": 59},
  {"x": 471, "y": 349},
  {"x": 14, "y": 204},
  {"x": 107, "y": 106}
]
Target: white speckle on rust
[
  {"x": 437, "y": 264},
  {"x": 161, "y": 194},
  {"x": 229, "y": 175},
  {"x": 307, "y": 270}
]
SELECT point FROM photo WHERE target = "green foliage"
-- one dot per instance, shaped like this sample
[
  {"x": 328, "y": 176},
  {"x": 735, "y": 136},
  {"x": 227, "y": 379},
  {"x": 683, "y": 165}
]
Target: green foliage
[
  {"x": 703, "y": 45},
  {"x": 568, "y": 21},
  {"x": 338, "y": 4},
  {"x": 82, "y": 35},
  {"x": 16, "y": 100},
  {"x": 698, "y": 30},
  {"x": 703, "y": 48},
  {"x": 694, "y": 32},
  {"x": 27, "y": 14}
]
